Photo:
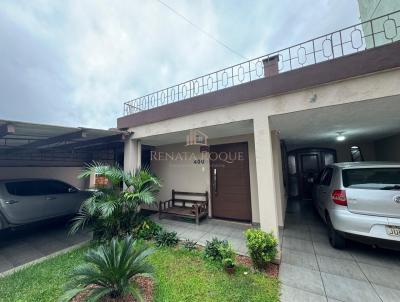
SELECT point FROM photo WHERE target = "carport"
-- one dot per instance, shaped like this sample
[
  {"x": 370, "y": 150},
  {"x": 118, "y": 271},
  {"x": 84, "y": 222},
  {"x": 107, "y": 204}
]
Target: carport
[
  {"x": 30, "y": 150},
  {"x": 366, "y": 130},
  {"x": 311, "y": 270},
  {"x": 46, "y": 151}
]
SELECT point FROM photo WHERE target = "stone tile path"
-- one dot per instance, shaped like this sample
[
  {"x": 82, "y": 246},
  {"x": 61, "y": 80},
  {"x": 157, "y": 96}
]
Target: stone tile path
[{"x": 313, "y": 271}]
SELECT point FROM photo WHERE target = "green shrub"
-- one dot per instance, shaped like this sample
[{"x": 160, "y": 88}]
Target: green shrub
[
  {"x": 228, "y": 262},
  {"x": 147, "y": 229},
  {"x": 218, "y": 250},
  {"x": 262, "y": 247},
  {"x": 164, "y": 238},
  {"x": 111, "y": 211},
  {"x": 190, "y": 245},
  {"x": 108, "y": 271}
]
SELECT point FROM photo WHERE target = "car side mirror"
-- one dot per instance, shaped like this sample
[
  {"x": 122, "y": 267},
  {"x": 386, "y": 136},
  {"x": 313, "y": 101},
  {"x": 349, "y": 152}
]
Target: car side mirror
[{"x": 72, "y": 190}]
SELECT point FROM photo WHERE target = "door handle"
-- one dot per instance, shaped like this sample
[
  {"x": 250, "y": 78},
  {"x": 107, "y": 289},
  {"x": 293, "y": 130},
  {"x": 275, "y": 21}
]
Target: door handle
[
  {"x": 215, "y": 181},
  {"x": 50, "y": 198},
  {"x": 11, "y": 201}
]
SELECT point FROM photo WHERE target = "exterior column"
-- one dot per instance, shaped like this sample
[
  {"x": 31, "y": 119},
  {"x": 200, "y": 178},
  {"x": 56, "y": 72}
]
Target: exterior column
[
  {"x": 265, "y": 175},
  {"x": 132, "y": 155},
  {"x": 278, "y": 177}
]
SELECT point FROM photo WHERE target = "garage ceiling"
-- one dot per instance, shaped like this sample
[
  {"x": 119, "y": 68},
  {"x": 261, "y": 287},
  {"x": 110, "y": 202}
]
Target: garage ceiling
[
  {"x": 359, "y": 121},
  {"x": 217, "y": 131}
]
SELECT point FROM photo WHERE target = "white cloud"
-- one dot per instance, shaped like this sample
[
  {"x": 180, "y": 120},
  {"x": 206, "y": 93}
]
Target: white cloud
[{"x": 76, "y": 62}]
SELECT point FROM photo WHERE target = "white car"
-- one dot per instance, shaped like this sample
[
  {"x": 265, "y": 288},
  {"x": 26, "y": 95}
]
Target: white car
[
  {"x": 24, "y": 201},
  {"x": 359, "y": 200}
]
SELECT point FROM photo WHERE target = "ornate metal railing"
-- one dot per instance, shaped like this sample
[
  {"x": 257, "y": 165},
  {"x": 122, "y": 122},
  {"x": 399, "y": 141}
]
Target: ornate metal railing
[{"x": 375, "y": 32}]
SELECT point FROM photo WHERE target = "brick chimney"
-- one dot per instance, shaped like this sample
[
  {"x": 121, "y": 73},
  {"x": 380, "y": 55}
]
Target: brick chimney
[{"x": 271, "y": 67}]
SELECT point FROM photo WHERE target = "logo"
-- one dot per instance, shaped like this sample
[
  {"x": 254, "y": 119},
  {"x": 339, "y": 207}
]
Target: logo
[
  {"x": 396, "y": 199},
  {"x": 196, "y": 137}
]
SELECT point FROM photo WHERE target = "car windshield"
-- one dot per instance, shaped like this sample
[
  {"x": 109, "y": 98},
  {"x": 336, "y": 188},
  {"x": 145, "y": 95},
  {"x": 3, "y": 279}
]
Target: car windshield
[{"x": 372, "y": 178}]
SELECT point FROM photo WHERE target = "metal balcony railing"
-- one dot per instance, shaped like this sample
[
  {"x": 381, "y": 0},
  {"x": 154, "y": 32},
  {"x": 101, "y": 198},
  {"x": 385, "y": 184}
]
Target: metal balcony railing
[{"x": 372, "y": 33}]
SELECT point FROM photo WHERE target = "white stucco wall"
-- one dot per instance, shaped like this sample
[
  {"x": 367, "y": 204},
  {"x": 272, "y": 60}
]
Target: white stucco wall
[{"x": 185, "y": 175}]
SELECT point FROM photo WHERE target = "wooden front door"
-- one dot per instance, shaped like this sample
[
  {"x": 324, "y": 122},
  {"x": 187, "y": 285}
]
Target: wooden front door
[{"x": 230, "y": 181}]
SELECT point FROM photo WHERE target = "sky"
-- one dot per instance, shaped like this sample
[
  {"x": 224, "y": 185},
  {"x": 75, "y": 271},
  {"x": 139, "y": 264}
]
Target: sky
[{"x": 75, "y": 63}]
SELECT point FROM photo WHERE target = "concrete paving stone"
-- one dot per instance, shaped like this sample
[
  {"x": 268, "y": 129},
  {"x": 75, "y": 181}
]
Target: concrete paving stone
[
  {"x": 301, "y": 278},
  {"x": 340, "y": 267},
  {"x": 387, "y": 294},
  {"x": 298, "y": 233},
  {"x": 376, "y": 257},
  {"x": 21, "y": 253},
  {"x": 348, "y": 290},
  {"x": 298, "y": 244},
  {"x": 320, "y": 237},
  {"x": 307, "y": 260},
  {"x": 381, "y": 275},
  {"x": 5, "y": 265},
  {"x": 325, "y": 249},
  {"x": 291, "y": 294},
  {"x": 223, "y": 230},
  {"x": 296, "y": 226}
]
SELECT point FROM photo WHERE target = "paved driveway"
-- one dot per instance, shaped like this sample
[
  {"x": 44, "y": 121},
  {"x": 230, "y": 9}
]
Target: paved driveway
[
  {"x": 313, "y": 271},
  {"x": 32, "y": 242}
]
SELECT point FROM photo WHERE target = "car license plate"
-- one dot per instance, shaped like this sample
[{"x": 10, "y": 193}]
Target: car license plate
[{"x": 392, "y": 230}]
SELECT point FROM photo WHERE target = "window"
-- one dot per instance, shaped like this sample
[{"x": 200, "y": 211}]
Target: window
[
  {"x": 371, "y": 178},
  {"x": 27, "y": 188},
  {"x": 356, "y": 154},
  {"x": 38, "y": 187},
  {"x": 57, "y": 187},
  {"x": 326, "y": 177}
]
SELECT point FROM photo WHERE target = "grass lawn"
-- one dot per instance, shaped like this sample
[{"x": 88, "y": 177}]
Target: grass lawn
[{"x": 180, "y": 276}]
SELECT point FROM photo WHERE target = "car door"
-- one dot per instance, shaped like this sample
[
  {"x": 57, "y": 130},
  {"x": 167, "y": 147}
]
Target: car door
[
  {"x": 61, "y": 198},
  {"x": 316, "y": 188},
  {"x": 23, "y": 201},
  {"x": 324, "y": 191}
]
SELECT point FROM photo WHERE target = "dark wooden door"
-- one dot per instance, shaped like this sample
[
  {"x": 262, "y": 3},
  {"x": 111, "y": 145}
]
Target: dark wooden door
[
  {"x": 310, "y": 168},
  {"x": 304, "y": 165},
  {"x": 230, "y": 181}
]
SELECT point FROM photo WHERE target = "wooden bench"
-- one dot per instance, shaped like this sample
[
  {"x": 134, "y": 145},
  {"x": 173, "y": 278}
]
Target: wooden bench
[{"x": 185, "y": 204}]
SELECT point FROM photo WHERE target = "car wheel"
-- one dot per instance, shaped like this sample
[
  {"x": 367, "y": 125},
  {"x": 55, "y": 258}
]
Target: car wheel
[{"x": 336, "y": 240}]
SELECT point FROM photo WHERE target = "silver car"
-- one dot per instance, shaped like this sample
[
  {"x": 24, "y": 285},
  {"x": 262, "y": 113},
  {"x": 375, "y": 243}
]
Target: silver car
[
  {"x": 24, "y": 201},
  {"x": 359, "y": 200}
]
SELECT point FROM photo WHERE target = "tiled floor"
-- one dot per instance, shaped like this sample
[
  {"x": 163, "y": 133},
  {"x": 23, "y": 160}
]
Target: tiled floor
[
  {"x": 312, "y": 270},
  {"x": 35, "y": 241},
  {"x": 208, "y": 229}
]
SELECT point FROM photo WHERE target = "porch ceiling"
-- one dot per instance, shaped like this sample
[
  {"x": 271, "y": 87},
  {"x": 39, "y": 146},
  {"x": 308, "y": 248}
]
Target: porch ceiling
[
  {"x": 359, "y": 121},
  {"x": 213, "y": 132}
]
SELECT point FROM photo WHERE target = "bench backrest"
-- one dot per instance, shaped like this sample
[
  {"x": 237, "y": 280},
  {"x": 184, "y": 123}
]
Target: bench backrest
[{"x": 188, "y": 197}]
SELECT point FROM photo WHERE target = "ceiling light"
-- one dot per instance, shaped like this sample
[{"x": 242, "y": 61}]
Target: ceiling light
[{"x": 340, "y": 137}]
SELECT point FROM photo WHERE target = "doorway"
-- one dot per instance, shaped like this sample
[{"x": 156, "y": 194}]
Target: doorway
[
  {"x": 230, "y": 181},
  {"x": 304, "y": 165}
]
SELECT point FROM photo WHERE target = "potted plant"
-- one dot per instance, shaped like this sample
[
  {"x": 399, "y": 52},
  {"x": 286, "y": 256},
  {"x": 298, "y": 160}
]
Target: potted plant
[{"x": 229, "y": 265}]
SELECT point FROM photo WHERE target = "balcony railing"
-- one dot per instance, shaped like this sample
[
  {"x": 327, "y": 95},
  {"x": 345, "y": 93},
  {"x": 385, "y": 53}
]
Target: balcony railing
[{"x": 375, "y": 32}]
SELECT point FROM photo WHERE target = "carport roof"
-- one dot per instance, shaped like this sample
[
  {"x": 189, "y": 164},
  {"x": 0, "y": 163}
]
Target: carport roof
[{"x": 15, "y": 136}]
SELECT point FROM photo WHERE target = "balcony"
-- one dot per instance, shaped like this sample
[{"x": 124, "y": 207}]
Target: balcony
[{"x": 350, "y": 40}]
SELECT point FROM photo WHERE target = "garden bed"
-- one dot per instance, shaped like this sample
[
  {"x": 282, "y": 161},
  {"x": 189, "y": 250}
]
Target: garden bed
[{"x": 179, "y": 276}]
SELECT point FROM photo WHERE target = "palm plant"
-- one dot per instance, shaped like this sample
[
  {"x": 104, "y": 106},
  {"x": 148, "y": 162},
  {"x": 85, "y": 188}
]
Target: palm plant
[
  {"x": 111, "y": 210},
  {"x": 109, "y": 271}
]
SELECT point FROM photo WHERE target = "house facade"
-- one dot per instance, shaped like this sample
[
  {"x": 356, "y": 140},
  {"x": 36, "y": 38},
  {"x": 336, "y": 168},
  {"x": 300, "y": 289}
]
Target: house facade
[{"x": 256, "y": 134}]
